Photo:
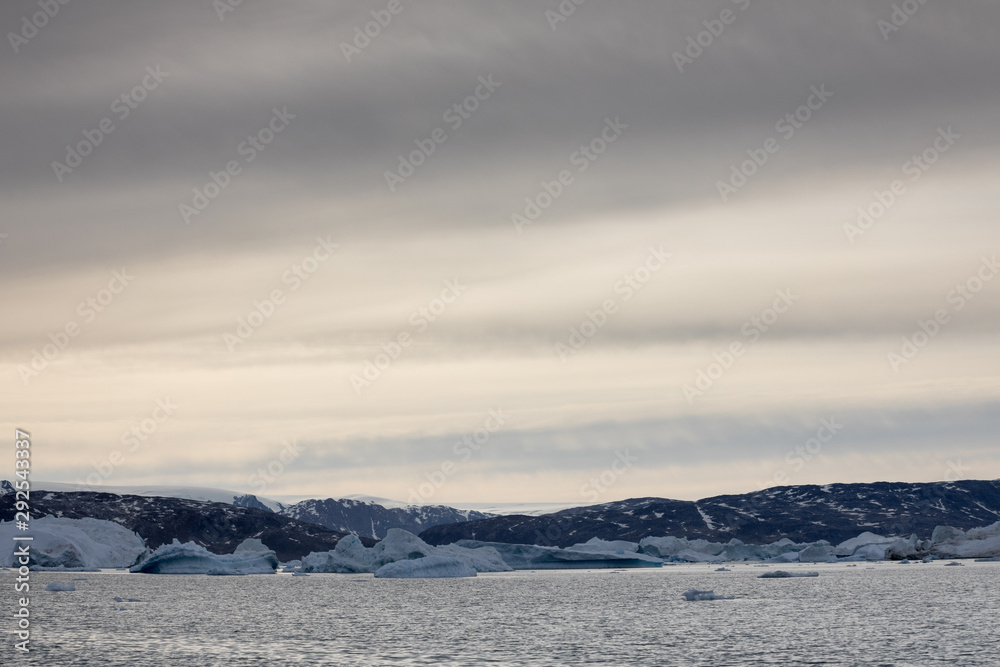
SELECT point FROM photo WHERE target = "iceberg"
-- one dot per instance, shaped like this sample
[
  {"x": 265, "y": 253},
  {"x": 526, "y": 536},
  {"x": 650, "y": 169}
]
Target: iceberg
[
  {"x": 693, "y": 594},
  {"x": 428, "y": 566},
  {"x": 532, "y": 557},
  {"x": 352, "y": 557},
  {"x": 974, "y": 543},
  {"x": 615, "y": 546},
  {"x": 250, "y": 557},
  {"x": 816, "y": 554},
  {"x": 722, "y": 569},
  {"x": 783, "y": 574},
  {"x": 74, "y": 544},
  {"x": 56, "y": 586},
  {"x": 952, "y": 564}
]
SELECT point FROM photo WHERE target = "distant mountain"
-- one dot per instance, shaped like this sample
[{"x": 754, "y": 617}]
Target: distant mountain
[
  {"x": 206, "y": 494},
  {"x": 834, "y": 512},
  {"x": 369, "y": 519},
  {"x": 219, "y": 527}
]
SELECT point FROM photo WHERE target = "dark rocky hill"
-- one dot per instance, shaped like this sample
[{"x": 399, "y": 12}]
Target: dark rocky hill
[{"x": 833, "y": 512}]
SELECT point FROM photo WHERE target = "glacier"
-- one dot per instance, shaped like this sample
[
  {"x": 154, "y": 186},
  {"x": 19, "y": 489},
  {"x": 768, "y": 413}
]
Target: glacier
[
  {"x": 250, "y": 557},
  {"x": 74, "y": 544}
]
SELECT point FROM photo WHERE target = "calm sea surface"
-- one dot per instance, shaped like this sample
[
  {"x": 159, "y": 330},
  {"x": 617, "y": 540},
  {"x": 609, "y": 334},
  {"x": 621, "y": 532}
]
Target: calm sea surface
[{"x": 881, "y": 614}]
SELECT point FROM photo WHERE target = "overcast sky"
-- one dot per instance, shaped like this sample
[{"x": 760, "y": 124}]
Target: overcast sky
[{"x": 456, "y": 193}]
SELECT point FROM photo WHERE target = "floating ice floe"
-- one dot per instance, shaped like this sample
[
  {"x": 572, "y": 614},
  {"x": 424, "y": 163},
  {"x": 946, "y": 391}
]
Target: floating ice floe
[
  {"x": 350, "y": 556},
  {"x": 56, "y": 586},
  {"x": 250, "y": 557},
  {"x": 722, "y": 569},
  {"x": 953, "y": 564},
  {"x": 783, "y": 574},
  {"x": 694, "y": 595},
  {"x": 429, "y": 566},
  {"x": 74, "y": 544}
]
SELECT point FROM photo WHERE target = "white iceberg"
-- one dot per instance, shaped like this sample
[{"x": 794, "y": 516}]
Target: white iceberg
[
  {"x": 352, "y": 557},
  {"x": 428, "y": 566},
  {"x": 614, "y": 546},
  {"x": 975, "y": 543},
  {"x": 73, "y": 544},
  {"x": 250, "y": 557},
  {"x": 693, "y": 595},
  {"x": 56, "y": 586},
  {"x": 783, "y": 574}
]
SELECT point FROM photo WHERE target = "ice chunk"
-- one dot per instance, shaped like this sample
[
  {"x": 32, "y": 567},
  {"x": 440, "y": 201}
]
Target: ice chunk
[
  {"x": 693, "y": 594},
  {"x": 952, "y": 564},
  {"x": 783, "y": 574},
  {"x": 74, "y": 544},
  {"x": 191, "y": 558},
  {"x": 56, "y": 586},
  {"x": 428, "y": 566},
  {"x": 722, "y": 569}
]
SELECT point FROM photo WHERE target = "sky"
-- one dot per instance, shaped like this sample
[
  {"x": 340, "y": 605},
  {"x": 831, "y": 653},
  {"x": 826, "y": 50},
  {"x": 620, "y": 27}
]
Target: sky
[{"x": 501, "y": 252}]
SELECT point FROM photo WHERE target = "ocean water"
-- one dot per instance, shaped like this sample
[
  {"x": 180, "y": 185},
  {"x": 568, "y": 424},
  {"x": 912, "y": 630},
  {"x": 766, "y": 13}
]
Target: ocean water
[{"x": 872, "y": 614}]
